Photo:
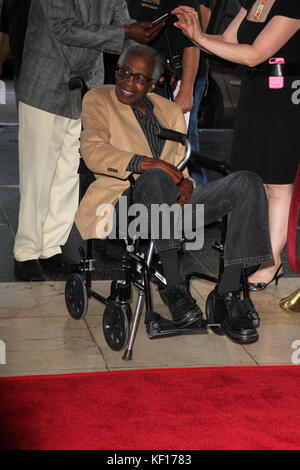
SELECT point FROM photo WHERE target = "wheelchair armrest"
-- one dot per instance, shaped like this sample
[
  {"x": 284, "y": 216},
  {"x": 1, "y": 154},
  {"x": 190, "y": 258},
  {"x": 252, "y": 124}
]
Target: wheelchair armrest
[
  {"x": 221, "y": 167},
  {"x": 176, "y": 136}
]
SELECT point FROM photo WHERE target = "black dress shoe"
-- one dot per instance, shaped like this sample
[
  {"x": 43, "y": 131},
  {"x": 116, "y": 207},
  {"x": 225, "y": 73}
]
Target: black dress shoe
[
  {"x": 234, "y": 317},
  {"x": 250, "y": 310},
  {"x": 29, "y": 270},
  {"x": 59, "y": 264},
  {"x": 182, "y": 306}
]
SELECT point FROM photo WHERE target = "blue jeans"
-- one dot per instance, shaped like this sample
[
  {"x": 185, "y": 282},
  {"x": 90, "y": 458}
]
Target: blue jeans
[{"x": 196, "y": 172}]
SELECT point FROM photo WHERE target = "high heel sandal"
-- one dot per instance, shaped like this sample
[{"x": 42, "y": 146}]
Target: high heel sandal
[{"x": 255, "y": 286}]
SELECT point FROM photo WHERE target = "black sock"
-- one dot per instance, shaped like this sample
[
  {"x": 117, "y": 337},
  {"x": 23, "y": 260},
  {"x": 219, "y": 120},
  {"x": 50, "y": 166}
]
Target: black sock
[
  {"x": 169, "y": 259},
  {"x": 231, "y": 279}
]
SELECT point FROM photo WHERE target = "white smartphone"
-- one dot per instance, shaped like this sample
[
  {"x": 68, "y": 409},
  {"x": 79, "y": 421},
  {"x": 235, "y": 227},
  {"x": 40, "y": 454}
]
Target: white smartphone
[{"x": 161, "y": 18}]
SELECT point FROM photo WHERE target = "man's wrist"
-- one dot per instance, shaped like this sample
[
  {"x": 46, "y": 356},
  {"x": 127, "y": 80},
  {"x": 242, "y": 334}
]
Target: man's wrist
[
  {"x": 191, "y": 180},
  {"x": 135, "y": 164},
  {"x": 185, "y": 93},
  {"x": 127, "y": 31}
]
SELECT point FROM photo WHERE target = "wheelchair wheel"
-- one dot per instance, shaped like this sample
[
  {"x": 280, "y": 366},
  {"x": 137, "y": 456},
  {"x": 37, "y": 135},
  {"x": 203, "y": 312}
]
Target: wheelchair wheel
[
  {"x": 76, "y": 296},
  {"x": 116, "y": 320},
  {"x": 209, "y": 309}
]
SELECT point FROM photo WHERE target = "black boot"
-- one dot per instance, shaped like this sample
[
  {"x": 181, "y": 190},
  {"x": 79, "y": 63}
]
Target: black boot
[
  {"x": 182, "y": 306},
  {"x": 234, "y": 317}
]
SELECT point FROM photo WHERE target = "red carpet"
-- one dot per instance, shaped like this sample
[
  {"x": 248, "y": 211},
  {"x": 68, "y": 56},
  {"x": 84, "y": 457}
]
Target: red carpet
[{"x": 173, "y": 409}]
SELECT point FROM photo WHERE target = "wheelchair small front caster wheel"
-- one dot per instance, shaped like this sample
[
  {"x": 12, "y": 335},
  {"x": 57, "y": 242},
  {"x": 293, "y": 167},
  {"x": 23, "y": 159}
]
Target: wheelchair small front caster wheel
[
  {"x": 209, "y": 309},
  {"x": 116, "y": 319},
  {"x": 76, "y": 296}
]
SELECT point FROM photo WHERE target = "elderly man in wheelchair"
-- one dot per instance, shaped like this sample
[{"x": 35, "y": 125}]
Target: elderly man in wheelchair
[{"x": 125, "y": 144}]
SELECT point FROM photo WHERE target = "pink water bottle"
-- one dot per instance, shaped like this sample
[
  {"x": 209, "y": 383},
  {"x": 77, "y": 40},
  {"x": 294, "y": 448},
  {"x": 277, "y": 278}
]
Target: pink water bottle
[{"x": 276, "y": 82}]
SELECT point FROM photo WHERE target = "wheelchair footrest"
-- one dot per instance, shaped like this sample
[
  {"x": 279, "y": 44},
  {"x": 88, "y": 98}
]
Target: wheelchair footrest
[{"x": 160, "y": 326}]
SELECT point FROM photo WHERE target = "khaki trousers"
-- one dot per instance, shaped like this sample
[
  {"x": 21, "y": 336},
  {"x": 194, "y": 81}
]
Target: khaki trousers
[{"x": 49, "y": 184}]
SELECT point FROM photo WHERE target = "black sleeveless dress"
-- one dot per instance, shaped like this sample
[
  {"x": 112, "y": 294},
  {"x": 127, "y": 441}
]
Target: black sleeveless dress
[{"x": 267, "y": 130}]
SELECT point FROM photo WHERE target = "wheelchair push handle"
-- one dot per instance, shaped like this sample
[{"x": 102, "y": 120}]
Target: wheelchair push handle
[
  {"x": 176, "y": 136},
  {"x": 76, "y": 83}
]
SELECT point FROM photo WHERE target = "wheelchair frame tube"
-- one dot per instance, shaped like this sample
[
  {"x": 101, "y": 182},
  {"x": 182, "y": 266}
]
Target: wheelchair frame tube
[
  {"x": 186, "y": 157},
  {"x": 127, "y": 356}
]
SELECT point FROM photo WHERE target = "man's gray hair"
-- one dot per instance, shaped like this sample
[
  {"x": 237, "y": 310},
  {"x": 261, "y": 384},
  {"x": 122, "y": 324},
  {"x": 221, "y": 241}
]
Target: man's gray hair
[{"x": 148, "y": 52}]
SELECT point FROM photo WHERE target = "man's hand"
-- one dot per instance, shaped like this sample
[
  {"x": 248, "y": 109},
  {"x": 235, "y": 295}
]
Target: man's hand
[
  {"x": 173, "y": 172},
  {"x": 143, "y": 31},
  {"x": 185, "y": 188},
  {"x": 185, "y": 100}
]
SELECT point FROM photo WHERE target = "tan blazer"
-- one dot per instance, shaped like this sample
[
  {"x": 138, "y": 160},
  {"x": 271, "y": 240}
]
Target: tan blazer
[{"x": 111, "y": 136}]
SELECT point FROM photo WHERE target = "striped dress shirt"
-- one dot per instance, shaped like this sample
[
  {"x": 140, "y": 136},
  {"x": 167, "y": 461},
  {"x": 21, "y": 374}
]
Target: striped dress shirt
[{"x": 150, "y": 126}]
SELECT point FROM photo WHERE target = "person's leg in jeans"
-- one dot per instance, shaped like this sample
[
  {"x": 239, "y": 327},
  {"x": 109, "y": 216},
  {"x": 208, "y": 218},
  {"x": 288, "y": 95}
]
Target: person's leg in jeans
[
  {"x": 196, "y": 172},
  {"x": 247, "y": 244},
  {"x": 242, "y": 195}
]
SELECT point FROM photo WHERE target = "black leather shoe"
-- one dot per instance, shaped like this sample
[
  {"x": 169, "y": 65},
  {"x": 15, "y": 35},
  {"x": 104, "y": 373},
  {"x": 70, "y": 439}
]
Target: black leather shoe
[
  {"x": 182, "y": 306},
  {"x": 29, "y": 270},
  {"x": 234, "y": 318},
  {"x": 60, "y": 264},
  {"x": 250, "y": 310}
]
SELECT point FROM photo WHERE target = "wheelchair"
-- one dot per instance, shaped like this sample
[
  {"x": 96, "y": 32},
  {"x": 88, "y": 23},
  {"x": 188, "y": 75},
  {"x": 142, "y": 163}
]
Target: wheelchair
[{"x": 141, "y": 267}]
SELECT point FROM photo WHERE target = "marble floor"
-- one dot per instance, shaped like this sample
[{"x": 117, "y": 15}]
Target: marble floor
[{"x": 39, "y": 337}]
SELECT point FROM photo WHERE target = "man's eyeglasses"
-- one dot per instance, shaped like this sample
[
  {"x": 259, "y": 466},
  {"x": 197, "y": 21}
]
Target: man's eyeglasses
[{"x": 124, "y": 73}]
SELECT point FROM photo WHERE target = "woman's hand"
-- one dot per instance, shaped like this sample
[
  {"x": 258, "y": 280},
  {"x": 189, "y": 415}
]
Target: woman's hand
[{"x": 189, "y": 23}]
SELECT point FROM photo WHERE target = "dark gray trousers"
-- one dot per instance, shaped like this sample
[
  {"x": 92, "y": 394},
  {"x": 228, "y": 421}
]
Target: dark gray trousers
[{"x": 241, "y": 194}]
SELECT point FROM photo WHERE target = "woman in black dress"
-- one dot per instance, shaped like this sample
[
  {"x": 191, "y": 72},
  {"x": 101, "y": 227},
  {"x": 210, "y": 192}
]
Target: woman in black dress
[{"x": 266, "y": 139}]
